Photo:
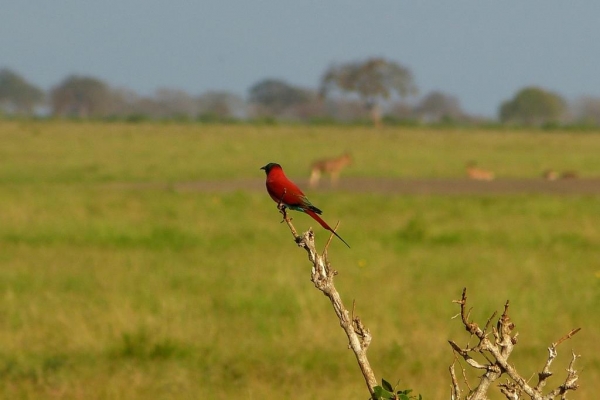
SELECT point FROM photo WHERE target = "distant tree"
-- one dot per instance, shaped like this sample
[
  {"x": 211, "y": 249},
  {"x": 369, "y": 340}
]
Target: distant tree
[
  {"x": 314, "y": 109},
  {"x": 273, "y": 96},
  {"x": 80, "y": 96},
  {"x": 587, "y": 110},
  {"x": 399, "y": 110},
  {"x": 346, "y": 109},
  {"x": 147, "y": 107},
  {"x": 175, "y": 103},
  {"x": 533, "y": 106},
  {"x": 372, "y": 80},
  {"x": 436, "y": 106},
  {"x": 123, "y": 103},
  {"x": 221, "y": 105},
  {"x": 17, "y": 95}
]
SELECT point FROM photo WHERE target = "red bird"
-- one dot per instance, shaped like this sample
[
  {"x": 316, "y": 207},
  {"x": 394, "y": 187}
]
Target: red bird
[{"x": 285, "y": 192}]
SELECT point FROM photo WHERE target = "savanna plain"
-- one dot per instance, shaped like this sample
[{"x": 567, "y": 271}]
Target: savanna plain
[{"x": 118, "y": 282}]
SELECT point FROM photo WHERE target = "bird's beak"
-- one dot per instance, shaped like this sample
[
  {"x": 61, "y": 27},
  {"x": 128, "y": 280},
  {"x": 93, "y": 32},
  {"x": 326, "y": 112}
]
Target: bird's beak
[{"x": 262, "y": 167}]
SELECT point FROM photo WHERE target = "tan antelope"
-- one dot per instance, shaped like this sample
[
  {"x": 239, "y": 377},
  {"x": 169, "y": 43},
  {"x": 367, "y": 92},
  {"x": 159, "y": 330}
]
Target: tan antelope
[
  {"x": 550, "y": 175},
  {"x": 331, "y": 166},
  {"x": 477, "y": 173}
]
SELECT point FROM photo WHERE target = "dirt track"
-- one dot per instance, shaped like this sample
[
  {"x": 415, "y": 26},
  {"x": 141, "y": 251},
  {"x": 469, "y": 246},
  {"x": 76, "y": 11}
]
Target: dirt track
[{"x": 401, "y": 186}]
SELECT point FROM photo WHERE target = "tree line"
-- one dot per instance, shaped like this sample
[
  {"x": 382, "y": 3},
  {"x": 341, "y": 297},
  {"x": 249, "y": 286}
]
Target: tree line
[{"x": 377, "y": 89}]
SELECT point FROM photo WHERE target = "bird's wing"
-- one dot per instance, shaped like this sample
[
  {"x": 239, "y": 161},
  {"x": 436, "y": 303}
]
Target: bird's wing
[{"x": 307, "y": 205}]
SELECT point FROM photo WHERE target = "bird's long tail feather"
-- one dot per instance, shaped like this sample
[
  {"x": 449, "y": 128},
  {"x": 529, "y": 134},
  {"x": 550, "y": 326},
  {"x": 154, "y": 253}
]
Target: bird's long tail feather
[{"x": 324, "y": 224}]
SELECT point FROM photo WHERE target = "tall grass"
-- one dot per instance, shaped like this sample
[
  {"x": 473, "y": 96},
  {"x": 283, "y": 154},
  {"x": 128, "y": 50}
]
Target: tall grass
[{"x": 111, "y": 292}]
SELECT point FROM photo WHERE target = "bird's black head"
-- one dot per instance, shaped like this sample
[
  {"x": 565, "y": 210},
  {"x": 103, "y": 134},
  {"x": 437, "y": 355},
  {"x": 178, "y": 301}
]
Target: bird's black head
[{"x": 269, "y": 167}]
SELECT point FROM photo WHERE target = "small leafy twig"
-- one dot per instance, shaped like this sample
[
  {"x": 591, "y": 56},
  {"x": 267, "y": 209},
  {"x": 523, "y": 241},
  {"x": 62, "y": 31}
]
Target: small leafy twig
[{"x": 387, "y": 392}]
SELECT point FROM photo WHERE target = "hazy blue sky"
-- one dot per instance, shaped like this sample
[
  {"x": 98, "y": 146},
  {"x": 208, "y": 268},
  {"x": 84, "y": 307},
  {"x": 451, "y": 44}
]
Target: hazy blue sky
[{"x": 480, "y": 51}]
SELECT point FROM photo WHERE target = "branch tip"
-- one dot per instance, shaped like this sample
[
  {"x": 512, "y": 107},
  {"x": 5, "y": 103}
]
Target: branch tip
[{"x": 569, "y": 335}]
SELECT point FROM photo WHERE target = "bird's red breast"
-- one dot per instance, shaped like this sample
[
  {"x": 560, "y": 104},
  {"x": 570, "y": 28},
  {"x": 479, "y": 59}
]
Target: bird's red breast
[{"x": 281, "y": 189}]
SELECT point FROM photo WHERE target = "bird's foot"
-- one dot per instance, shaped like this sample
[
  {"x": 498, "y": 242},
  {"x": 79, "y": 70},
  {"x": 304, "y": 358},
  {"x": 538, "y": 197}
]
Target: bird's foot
[
  {"x": 283, "y": 211},
  {"x": 280, "y": 202},
  {"x": 282, "y": 208}
]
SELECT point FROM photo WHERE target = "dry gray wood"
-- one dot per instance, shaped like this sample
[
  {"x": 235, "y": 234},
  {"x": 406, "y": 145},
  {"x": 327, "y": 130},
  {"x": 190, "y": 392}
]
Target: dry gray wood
[
  {"x": 322, "y": 276},
  {"x": 500, "y": 349}
]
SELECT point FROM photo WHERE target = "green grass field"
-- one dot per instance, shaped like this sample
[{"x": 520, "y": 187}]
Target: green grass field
[{"x": 115, "y": 292}]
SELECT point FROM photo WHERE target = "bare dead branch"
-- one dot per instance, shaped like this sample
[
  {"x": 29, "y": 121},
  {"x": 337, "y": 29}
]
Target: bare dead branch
[
  {"x": 359, "y": 337},
  {"x": 552, "y": 354},
  {"x": 487, "y": 324},
  {"x": 510, "y": 390},
  {"x": 566, "y": 337},
  {"x": 497, "y": 364},
  {"x": 282, "y": 209},
  {"x": 330, "y": 239},
  {"x": 455, "y": 388},
  {"x": 464, "y": 375}
]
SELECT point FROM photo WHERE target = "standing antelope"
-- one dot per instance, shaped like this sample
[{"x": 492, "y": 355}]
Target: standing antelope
[
  {"x": 331, "y": 166},
  {"x": 477, "y": 173},
  {"x": 550, "y": 175}
]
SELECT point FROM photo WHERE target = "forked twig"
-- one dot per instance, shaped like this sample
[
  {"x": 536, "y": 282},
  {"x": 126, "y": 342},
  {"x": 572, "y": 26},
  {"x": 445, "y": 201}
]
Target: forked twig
[
  {"x": 499, "y": 349},
  {"x": 330, "y": 238}
]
